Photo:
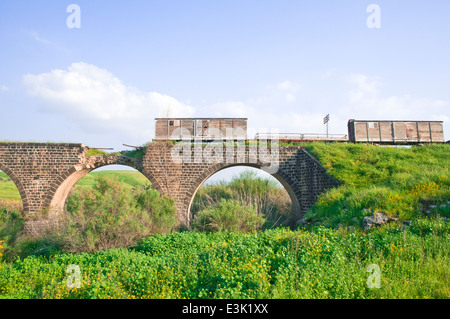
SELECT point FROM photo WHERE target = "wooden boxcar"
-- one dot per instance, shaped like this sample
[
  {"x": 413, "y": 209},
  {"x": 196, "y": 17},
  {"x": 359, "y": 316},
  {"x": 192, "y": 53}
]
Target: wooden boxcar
[
  {"x": 397, "y": 132},
  {"x": 201, "y": 129}
]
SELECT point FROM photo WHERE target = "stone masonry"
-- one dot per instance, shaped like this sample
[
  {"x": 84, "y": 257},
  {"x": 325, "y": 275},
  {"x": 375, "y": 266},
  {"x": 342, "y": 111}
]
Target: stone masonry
[{"x": 44, "y": 173}]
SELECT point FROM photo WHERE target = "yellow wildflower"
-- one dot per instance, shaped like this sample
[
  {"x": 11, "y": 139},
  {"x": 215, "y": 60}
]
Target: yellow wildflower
[{"x": 1, "y": 247}]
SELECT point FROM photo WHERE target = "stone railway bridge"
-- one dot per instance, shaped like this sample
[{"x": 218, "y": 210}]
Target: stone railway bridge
[{"x": 44, "y": 174}]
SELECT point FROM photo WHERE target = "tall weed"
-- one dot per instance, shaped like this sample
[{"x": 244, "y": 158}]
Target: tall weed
[
  {"x": 229, "y": 216},
  {"x": 267, "y": 197}
]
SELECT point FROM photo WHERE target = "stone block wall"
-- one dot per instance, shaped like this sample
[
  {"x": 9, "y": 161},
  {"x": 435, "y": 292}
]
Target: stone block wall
[
  {"x": 179, "y": 172},
  {"x": 44, "y": 173},
  {"x": 35, "y": 167}
]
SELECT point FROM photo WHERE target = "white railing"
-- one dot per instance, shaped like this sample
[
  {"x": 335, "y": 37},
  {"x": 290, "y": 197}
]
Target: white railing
[{"x": 302, "y": 136}]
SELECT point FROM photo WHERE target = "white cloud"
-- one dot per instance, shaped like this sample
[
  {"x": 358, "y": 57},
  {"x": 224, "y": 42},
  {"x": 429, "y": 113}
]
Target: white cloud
[
  {"x": 230, "y": 109},
  {"x": 287, "y": 90},
  {"x": 4, "y": 88},
  {"x": 290, "y": 97},
  {"x": 272, "y": 112},
  {"x": 366, "y": 99},
  {"x": 356, "y": 96},
  {"x": 99, "y": 102},
  {"x": 285, "y": 86}
]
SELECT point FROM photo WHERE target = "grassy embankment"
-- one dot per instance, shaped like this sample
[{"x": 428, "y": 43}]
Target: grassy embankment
[{"x": 400, "y": 182}]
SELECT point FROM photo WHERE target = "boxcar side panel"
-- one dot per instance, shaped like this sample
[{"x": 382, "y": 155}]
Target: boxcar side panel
[
  {"x": 424, "y": 131},
  {"x": 399, "y": 132},
  {"x": 188, "y": 128},
  {"x": 395, "y": 131},
  {"x": 437, "y": 132},
  {"x": 174, "y": 129},
  {"x": 361, "y": 132},
  {"x": 373, "y": 131},
  {"x": 202, "y": 129},
  {"x": 386, "y": 132},
  {"x": 161, "y": 129},
  {"x": 411, "y": 131},
  {"x": 239, "y": 129},
  {"x": 226, "y": 128}
]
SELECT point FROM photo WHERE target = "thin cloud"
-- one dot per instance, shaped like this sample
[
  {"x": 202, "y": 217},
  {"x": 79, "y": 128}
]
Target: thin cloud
[
  {"x": 355, "y": 96},
  {"x": 366, "y": 99},
  {"x": 38, "y": 38}
]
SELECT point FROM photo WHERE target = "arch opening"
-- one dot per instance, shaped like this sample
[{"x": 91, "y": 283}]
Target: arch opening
[
  {"x": 13, "y": 203},
  {"x": 12, "y": 194},
  {"x": 85, "y": 177},
  {"x": 126, "y": 175},
  {"x": 271, "y": 195},
  {"x": 108, "y": 207}
]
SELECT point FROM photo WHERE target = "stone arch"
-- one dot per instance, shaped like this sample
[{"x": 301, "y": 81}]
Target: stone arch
[
  {"x": 60, "y": 189},
  {"x": 153, "y": 181},
  {"x": 291, "y": 187},
  {"x": 18, "y": 184}
]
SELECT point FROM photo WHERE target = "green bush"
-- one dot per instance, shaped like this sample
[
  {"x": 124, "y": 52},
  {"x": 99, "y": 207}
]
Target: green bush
[
  {"x": 112, "y": 215},
  {"x": 228, "y": 216},
  {"x": 161, "y": 209},
  {"x": 11, "y": 224},
  {"x": 269, "y": 198},
  {"x": 94, "y": 151}
]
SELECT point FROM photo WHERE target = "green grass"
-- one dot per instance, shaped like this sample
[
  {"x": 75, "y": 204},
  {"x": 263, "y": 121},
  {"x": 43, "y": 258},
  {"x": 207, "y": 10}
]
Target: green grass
[
  {"x": 278, "y": 263},
  {"x": 93, "y": 151},
  {"x": 364, "y": 165},
  {"x": 397, "y": 181},
  {"x": 129, "y": 178},
  {"x": 8, "y": 190}
]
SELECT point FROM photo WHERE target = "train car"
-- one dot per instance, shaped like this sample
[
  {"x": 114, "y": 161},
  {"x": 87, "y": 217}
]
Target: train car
[
  {"x": 206, "y": 129},
  {"x": 395, "y": 132}
]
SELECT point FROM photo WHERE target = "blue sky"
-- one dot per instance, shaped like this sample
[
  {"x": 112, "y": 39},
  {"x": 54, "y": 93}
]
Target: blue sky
[{"x": 283, "y": 64}]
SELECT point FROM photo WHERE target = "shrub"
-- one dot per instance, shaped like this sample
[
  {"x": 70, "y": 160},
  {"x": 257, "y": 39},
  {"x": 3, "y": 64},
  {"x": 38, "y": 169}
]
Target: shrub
[
  {"x": 137, "y": 153},
  {"x": 228, "y": 216},
  {"x": 266, "y": 196},
  {"x": 112, "y": 215},
  {"x": 11, "y": 223},
  {"x": 161, "y": 209},
  {"x": 94, "y": 151}
]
